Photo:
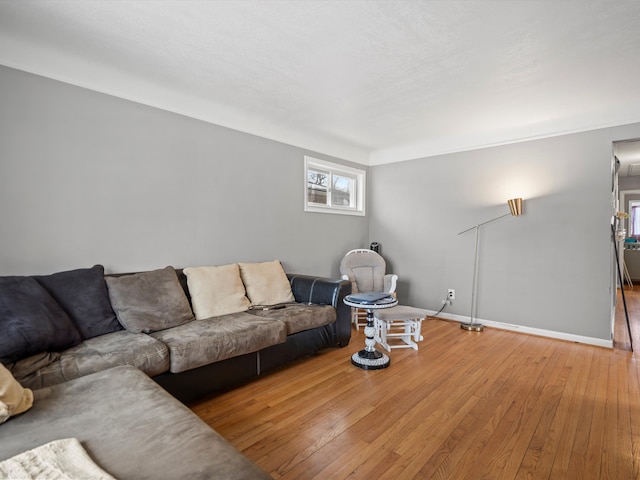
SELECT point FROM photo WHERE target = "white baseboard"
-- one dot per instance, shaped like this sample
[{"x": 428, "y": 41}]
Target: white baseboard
[{"x": 599, "y": 342}]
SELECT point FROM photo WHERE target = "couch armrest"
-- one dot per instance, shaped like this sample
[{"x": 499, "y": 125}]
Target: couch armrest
[{"x": 325, "y": 291}]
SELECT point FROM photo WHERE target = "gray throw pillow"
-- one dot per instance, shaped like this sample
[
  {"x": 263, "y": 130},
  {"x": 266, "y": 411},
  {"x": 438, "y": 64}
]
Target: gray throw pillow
[
  {"x": 82, "y": 293},
  {"x": 149, "y": 301},
  {"x": 31, "y": 321}
]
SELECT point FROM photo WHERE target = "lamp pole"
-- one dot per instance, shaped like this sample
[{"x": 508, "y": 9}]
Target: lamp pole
[
  {"x": 472, "y": 326},
  {"x": 515, "y": 209}
]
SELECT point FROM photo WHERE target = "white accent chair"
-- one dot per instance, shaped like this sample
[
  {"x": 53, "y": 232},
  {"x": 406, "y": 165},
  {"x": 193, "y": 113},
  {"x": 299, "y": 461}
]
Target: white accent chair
[{"x": 366, "y": 270}]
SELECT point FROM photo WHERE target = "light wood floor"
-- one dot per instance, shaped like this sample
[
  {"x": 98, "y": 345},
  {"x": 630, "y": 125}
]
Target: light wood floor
[{"x": 490, "y": 405}]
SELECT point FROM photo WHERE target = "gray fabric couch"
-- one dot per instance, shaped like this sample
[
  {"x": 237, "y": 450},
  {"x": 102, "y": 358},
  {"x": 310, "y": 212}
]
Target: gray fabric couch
[
  {"x": 105, "y": 388},
  {"x": 130, "y": 427},
  {"x": 199, "y": 357}
]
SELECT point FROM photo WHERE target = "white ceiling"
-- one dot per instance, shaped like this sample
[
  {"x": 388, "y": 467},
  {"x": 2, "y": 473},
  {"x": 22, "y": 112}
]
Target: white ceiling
[{"x": 368, "y": 81}]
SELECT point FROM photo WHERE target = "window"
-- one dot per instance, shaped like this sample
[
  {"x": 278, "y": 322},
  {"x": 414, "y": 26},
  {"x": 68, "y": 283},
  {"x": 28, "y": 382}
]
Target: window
[
  {"x": 333, "y": 188},
  {"x": 634, "y": 220}
]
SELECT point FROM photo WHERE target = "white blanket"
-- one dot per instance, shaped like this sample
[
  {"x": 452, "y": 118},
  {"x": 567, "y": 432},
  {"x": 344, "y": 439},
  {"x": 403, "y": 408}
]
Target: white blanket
[{"x": 59, "y": 460}]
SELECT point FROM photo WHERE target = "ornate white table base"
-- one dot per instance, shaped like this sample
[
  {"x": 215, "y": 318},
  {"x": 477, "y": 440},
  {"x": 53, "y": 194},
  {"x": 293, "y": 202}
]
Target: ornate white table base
[{"x": 369, "y": 358}]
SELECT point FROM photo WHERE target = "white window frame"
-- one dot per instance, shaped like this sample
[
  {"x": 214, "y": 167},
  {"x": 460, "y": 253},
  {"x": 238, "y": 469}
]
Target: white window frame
[
  {"x": 631, "y": 232},
  {"x": 357, "y": 206}
]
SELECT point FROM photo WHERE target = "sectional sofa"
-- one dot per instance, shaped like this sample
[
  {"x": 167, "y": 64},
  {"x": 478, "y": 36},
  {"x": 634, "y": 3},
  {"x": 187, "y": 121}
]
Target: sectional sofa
[{"x": 102, "y": 353}]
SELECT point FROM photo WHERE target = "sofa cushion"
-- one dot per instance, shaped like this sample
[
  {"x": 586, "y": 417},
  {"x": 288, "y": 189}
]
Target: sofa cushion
[
  {"x": 82, "y": 293},
  {"x": 218, "y": 338},
  {"x": 266, "y": 283},
  {"x": 216, "y": 290},
  {"x": 130, "y": 427},
  {"x": 31, "y": 321},
  {"x": 25, "y": 367},
  {"x": 93, "y": 355},
  {"x": 299, "y": 317},
  {"x": 149, "y": 301},
  {"x": 14, "y": 398}
]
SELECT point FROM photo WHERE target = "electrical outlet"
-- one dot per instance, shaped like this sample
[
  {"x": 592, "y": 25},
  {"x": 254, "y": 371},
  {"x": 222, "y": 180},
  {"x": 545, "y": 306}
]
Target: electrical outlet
[{"x": 451, "y": 294}]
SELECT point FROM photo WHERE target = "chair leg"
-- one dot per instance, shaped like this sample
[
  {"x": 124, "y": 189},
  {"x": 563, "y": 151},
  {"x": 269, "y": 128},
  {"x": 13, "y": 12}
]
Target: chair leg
[
  {"x": 358, "y": 317},
  {"x": 409, "y": 328},
  {"x": 382, "y": 328},
  {"x": 418, "y": 330}
]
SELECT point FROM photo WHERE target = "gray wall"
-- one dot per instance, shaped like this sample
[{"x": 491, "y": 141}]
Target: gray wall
[
  {"x": 87, "y": 178},
  {"x": 549, "y": 269}
]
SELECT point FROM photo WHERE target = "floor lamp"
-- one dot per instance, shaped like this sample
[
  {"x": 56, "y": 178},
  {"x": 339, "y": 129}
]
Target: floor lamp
[{"x": 515, "y": 207}]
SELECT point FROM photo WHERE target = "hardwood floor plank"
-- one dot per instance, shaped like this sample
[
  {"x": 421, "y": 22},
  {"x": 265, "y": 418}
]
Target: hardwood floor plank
[
  {"x": 580, "y": 450},
  {"x": 495, "y": 404},
  {"x": 464, "y": 414},
  {"x": 595, "y": 439},
  {"x": 501, "y": 453},
  {"x": 568, "y": 418},
  {"x": 464, "y": 442},
  {"x": 611, "y": 426},
  {"x": 633, "y": 376},
  {"x": 539, "y": 458},
  {"x": 533, "y": 464},
  {"x": 627, "y": 418}
]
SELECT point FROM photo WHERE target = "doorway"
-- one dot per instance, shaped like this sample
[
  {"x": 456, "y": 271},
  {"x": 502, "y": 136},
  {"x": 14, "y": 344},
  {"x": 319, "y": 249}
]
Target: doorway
[{"x": 626, "y": 191}]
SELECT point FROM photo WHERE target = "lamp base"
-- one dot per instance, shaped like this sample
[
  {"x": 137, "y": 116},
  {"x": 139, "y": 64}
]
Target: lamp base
[{"x": 472, "y": 327}]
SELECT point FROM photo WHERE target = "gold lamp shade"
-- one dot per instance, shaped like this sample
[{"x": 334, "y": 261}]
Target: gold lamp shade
[{"x": 515, "y": 205}]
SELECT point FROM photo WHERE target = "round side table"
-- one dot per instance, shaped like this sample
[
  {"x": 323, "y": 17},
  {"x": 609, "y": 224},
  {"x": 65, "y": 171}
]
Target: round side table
[{"x": 369, "y": 358}]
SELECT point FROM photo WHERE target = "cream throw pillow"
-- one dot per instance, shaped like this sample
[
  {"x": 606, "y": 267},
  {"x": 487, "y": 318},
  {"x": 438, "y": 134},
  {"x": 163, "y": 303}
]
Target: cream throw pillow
[
  {"x": 216, "y": 290},
  {"x": 14, "y": 399},
  {"x": 266, "y": 283}
]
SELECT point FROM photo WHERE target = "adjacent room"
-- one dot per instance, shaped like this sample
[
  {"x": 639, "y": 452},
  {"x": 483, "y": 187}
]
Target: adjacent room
[{"x": 181, "y": 183}]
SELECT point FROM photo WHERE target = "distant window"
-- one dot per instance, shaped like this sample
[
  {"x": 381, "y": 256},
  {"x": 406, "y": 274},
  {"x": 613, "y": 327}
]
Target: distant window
[
  {"x": 634, "y": 220},
  {"x": 333, "y": 188}
]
